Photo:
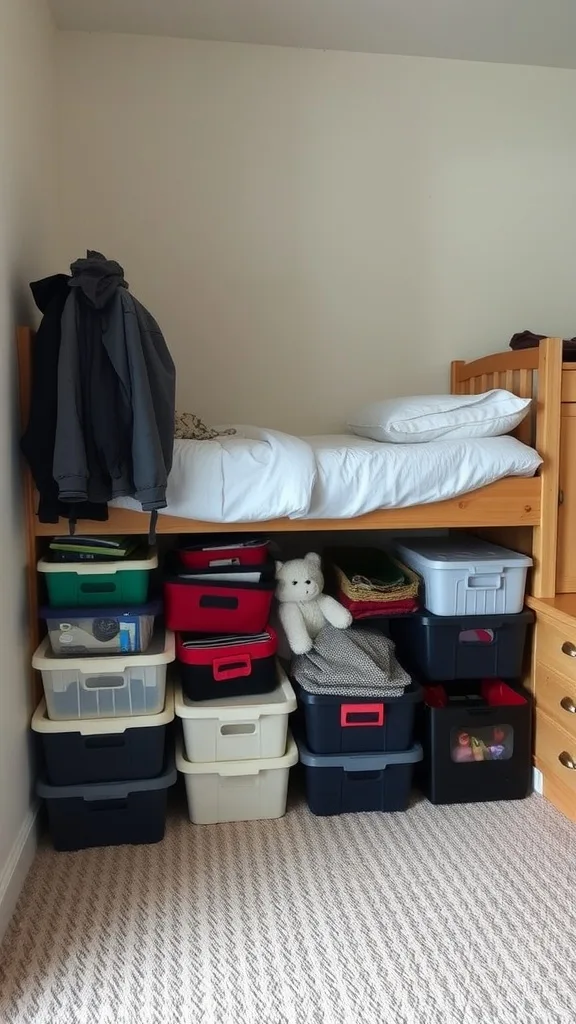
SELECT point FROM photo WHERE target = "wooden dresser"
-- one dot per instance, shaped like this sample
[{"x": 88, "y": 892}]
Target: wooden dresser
[{"x": 554, "y": 682}]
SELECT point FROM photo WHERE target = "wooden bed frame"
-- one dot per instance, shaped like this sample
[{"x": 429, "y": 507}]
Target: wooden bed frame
[{"x": 528, "y": 506}]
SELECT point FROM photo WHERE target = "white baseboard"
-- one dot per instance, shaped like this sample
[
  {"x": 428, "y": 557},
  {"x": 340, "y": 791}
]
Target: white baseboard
[
  {"x": 537, "y": 781},
  {"x": 19, "y": 862}
]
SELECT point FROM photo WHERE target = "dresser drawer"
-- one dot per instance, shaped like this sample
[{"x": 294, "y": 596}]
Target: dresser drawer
[
  {"x": 556, "y": 648},
  {"x": 556, "y": 751},
  {"x": 556, "y": 696}
]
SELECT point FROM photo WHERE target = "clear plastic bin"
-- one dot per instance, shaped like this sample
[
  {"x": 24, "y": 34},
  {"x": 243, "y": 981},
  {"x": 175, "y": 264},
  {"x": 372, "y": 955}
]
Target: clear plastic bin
[
  {"x": 105, "y": 687},
  {"x": 75, "y": 632}
]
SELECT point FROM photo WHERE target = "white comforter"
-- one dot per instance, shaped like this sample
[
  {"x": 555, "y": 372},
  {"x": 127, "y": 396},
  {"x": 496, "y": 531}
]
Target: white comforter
[{"x": 262, "y": 474}]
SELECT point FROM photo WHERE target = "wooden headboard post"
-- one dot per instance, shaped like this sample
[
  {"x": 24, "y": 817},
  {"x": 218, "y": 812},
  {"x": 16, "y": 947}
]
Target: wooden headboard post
[{"x": 24, "y": 339}]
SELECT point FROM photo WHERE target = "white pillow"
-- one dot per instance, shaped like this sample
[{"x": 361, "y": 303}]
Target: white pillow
[{"x": 432, "y": 417}]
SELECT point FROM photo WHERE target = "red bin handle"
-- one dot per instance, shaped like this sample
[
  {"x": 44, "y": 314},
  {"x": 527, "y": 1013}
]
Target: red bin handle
[
  {"x": 371, "y": 715},
  {"x": 232, "y": 667}
]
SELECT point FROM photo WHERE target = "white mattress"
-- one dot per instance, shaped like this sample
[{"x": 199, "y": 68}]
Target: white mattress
[{"x": 262, "y": 474}]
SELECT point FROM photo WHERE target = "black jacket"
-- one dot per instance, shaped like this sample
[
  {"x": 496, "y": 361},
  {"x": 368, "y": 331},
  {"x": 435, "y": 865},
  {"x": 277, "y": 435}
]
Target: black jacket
[
  {"x": 50, "y": 295},
  {"x": 116, "y": 392}
]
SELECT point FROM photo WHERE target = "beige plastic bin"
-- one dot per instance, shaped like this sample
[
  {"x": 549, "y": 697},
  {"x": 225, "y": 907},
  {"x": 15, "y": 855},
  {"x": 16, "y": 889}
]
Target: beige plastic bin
[{"x": 221, "y": 791}]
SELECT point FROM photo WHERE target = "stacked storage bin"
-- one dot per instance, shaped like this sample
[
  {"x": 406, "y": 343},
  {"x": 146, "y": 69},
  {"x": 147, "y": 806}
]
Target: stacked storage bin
[
  {"x": 468, "y": 647},
  {"x": 359, "y": 753},
  {"x": 104, "y": 719},
  {"x": 233, "y": 699}
]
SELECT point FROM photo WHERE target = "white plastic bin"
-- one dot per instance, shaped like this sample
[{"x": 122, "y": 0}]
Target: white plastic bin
[
  {"x": 237, "y": 728},
  {"x": 221, "y": 791},
  {"x": 91, "y": 687},
  {"x": 466, "y": 576}
]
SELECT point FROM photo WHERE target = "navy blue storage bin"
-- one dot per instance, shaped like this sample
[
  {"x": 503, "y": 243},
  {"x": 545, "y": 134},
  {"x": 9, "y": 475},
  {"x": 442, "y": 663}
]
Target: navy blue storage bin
[
  {"x": 445, "y": 647},
  {"x": 343, "y": 783},
  {"x": 352, "y": 725},
  {"x": 109, "y": 813},
  {"x": 100, "y": 749}
]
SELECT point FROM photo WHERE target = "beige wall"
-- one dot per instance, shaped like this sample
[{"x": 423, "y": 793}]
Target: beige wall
[
  {"x": 315, "y": 229},
  {"x": 27, "y": 198}
]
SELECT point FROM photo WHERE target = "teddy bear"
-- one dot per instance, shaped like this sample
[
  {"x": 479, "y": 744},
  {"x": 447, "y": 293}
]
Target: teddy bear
[{"x": 303, "y": 608}]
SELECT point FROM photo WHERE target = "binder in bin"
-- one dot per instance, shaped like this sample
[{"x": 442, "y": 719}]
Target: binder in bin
[
  {"x": 235, "y": 599},
  {"x": 218, "y": 553}
]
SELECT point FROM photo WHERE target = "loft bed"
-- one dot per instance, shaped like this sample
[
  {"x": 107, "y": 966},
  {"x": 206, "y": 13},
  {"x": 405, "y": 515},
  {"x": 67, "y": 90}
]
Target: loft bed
[{"x": 524, "y": 510}]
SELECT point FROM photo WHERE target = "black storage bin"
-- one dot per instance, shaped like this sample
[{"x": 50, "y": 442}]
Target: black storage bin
[
  {"x": 212, "y": 667},
  {"x": 352, "y": 725},
  {"x": 109, "y": 813},
  {"x": 344, "y": 783},
  {"x": 477, "y": 743},
  {"x": 445, "y": 647},
  {"x": 102, "y": 750}
]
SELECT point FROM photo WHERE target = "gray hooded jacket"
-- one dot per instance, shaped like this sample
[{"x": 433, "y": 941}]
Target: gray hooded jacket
[{"x": 116, "y": 393}]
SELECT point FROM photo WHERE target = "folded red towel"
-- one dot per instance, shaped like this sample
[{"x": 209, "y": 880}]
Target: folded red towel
[{"x": 377, "y": 609}]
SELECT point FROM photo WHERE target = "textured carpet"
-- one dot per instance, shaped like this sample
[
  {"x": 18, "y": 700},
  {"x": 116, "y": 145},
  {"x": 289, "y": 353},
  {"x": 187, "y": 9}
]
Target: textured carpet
[{"x": 452, "y": 915}]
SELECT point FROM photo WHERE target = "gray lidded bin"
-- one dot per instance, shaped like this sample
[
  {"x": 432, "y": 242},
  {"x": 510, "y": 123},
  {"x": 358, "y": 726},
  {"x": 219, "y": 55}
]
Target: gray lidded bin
[
  {"x": 344, "y": 783},
  {"x": 109, "y": 813},
  {"x": 110, "y": 687}
]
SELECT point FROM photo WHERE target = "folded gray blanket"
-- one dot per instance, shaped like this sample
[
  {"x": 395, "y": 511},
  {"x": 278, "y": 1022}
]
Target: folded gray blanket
[{"x": 351, "y": 662}]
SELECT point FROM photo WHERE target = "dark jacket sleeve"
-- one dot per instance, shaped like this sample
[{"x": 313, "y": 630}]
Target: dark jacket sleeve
[
  {"x": 151, "y": 386},
  {"x": 70, "y": 464}
]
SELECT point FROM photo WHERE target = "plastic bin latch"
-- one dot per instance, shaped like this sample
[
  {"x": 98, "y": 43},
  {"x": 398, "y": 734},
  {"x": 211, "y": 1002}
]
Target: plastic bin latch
[
  {"x": 233, "y": 667},
  {"x": 371, "y": 715}
]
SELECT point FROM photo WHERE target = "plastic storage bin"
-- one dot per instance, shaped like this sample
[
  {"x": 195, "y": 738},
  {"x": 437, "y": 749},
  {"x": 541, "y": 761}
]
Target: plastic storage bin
[
  {"x": 208, "y": 603},
  {"x": 103, "y": 750},
  {"x": 116, "y": 686},
  {"x": 221, "y": 791},
  {"x": 216, "y": 553},
  {"x": 237, "y": 728},
  {"x": 448, "y": 647},
  {"x": 466, "y": 576},
  {"x": 213, "y": 667},
  {"x": 343, "y": 725},
  {"x": 74, "y": 633},
  {"x": 107, "y": 813},
  {"x": 95, "y": 584},
  {"x": 477, "y": 743},
  {"x": 342, "y": 783}
]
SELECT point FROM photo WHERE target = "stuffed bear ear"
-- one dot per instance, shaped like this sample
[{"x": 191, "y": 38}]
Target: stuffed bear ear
[
  {"x": 313, "y": 559},
  {"x": 279, "y": 566}
]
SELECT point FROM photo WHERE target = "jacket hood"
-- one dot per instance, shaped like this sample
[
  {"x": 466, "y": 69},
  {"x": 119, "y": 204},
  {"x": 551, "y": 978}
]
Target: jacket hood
[
  {"x": 97, "y": 278},
  {"x": 49, "y": 288}
]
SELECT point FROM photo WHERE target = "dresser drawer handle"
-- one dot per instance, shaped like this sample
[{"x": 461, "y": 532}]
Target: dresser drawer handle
[
  {"x": 569, "y": 649},
  {"x": 568, "y": 704},
  {"x": 567, "y": 760}
]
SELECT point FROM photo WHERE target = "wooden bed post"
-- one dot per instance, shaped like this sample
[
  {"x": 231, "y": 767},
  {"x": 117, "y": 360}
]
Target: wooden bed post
[
  {"x": 548, "y": 415},
  {"x": 24, "y": 337}
]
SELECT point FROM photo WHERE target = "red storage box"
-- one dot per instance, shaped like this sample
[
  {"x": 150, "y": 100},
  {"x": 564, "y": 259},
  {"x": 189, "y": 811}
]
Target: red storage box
[
  {"x": 212, "y": 667},
  {"x": 218, "y": 553},
  {"x": 215, "y": 601}
]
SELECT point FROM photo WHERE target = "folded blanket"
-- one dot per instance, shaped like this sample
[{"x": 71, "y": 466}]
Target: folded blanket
[
  {"x": 351, "y": 662},
  {"x": 377, "y": 609}
]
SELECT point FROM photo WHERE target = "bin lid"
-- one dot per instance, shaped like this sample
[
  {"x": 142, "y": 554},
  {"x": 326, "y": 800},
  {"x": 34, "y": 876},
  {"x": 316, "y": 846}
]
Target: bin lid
[
  {"x": 359, "y": 762},
  {"x": 143, "y": 559},
  {"x": 452, "y": 552},
  {"x": 413, "y": 694},
  {"x": 469, "y": 622},
  {"x": 102, "y": 612},
  {"x": 110, "y": 790},
  {"x": 102, "y": 726},
  {"x": 160, "y": 651},
  {"x": 231, "y": 769},
  {"x": 280, "y": 701}
]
